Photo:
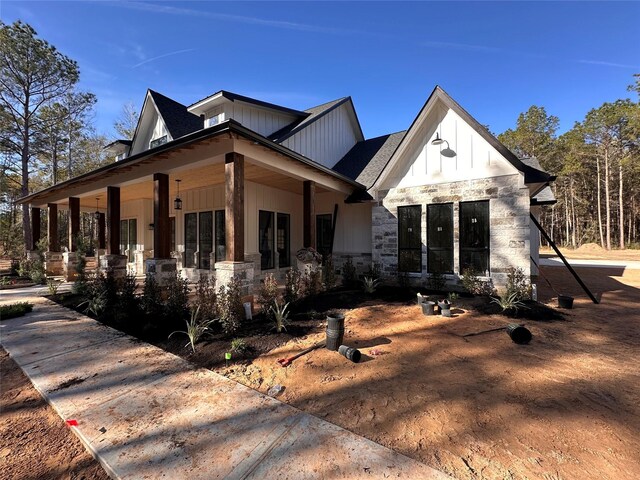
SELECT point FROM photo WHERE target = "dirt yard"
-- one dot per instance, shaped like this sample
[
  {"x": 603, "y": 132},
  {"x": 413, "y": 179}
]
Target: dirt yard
[
  {"x": 593, "y": 251},
  {"x": 35, "y": 442},
  {"x": 566, "y": 406}
]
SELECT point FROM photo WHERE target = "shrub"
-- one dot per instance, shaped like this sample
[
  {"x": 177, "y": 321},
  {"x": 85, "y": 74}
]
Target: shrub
[
  {"x": 280, "y": 316},
  {"x": 53, "y": 286},
  {"x": 329, "y": 273},
  {"x": 151, "y": 298},
  {"x": 176, "y": 308},
  {"x": 369, "y": 285},
  {"x": 15, "y": 310},
  {"x": 473, "y": 284},
  {"x": 452, "y": 297},
  {"x": 206, "y": 297},
  {"x": 292, "y": 285},
  {"x": 403, "y": 280},
  {"x": 196, "y": 328},
  {"x": 239, "y": 346},
  {"x": 101, "y": 295},
  {"x": 312, "y": 281},
  {"x": 128, "y": 304},
  {"x": 33, "y": 269},
  {"x": 349, "y": 273},
  {"x": 268, "y": 294},
  {"x": 229, "y": 305},
  {"x": 437, "y": 281},
  {"x": 518, "y": 284},
  {"x": 375, "y": 271}
]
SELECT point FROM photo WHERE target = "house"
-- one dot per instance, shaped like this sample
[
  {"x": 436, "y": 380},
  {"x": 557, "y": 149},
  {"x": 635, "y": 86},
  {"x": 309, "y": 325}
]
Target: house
[{"x": 236, "y": 186}]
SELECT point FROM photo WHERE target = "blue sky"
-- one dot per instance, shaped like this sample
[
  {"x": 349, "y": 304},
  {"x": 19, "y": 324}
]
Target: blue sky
[{"x": 495, "y": 59}]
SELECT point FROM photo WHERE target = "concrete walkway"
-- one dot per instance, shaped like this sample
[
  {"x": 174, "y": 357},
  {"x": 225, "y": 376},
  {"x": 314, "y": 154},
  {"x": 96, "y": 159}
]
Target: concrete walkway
[
  {"x": 145, "y": 413},
  {"x": 557, "y": 262}
]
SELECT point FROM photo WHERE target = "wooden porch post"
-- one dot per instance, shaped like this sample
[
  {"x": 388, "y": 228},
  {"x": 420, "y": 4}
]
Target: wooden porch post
[
  {"x": 161, "y": 233},
  {"x": 101, "y": 232},
  {"x": 35, "y": 228},
  {"x": 74, "y": 223},
  {"x": 308, "y": 214},
  {"x": 113, "y": 220},
  {"x": 52, "y": 213},
  {"x": 234, "y": 206}
]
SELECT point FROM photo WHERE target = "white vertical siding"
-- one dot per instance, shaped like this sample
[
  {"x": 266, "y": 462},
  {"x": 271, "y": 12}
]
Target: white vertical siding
[
  {"x": 260, "y": 120},
  {"x": 327, "y": 139},
  {"x": 142, "y": 211},
  {"x": 353, "y": 226}
]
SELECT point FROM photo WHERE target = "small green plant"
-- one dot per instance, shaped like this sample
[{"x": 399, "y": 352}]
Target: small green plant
[
  {"x": 509, "y": 303},
  {"x": 375, "y": 271},
  {"x": 369, "y": 285},
  {"x": 196, "y": 328},
  {"x": 53, "y": 286},
  {"x": 312, "y": 281},
  {"x": 280, "y": 316},
  {"x": 472, "y": 283},
  {"x": 176, "y": 308},
  {"x": 329, "y": 273},
  {"x": 206, "y": 296},
  {"x": 239, "y": 346},
  {"x": 229, "y": 305},
  {"x": 452, "y": 297},
  {"x": 437, "y": 281},
  {"x": 95, "y": 305},
  {"x": 403, "y": 280},
  {"x": 128, "y": 303},
  {"x": 15, "y": 310},
  {"x": 268, "y": 294},
  {"x": 349, "y": 273},
  {"x": 292, "y": 285}
]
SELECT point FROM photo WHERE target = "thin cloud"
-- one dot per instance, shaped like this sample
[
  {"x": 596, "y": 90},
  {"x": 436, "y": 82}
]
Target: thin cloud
[
  {"x": 464, "y": 46},
  {"x": 170, "y": 10},
  {"x": 149, "y": 60},
  {"x": 608, "y": 64}
]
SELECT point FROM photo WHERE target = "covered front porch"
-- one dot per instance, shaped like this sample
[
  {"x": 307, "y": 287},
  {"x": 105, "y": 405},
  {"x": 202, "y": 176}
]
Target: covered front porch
[{"x": 228, "y": 203}]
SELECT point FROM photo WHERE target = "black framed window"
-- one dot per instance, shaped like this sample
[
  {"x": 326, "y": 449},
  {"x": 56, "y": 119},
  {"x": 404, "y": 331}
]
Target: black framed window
[
  {"x": 265, "y": 239},
  {"x": 220, "y": 237},
  {"x": 440, "y": 238},
  {"x": 474, "y": 236},
  {"x": 158, "y": 141},
  {"x": 190, "y": 239},
  {"x": 283, "y": 240},
  {"x": 409, "y": 239},
  {"x": 205, "y": 239},
  {"x": 172, "y": 234},
  {"x": 128, "y": 238},
  {"x": 323, "y": 233}
]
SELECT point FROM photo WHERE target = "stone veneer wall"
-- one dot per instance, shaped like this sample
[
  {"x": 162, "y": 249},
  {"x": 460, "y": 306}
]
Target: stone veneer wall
[{"x": 508, "y": 228}]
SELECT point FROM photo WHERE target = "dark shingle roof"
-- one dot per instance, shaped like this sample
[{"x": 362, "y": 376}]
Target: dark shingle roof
[
  {"x": 178, "y": 120},
  {"x": 366, "y": 159},
  {"x": 313, "y": 114}
]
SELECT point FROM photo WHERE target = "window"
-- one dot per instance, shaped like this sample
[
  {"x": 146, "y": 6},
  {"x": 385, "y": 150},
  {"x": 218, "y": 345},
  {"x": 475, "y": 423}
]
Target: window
[
  {"x": 409, "y": 239},
  {"x": 282, "y": 240},
  {"x": 211, "y": 121},
  {"x": 221, "y": 241},
  {"x": 121, "y": 156},
  {"x": 205, "y": 239},
  {"x": 128, "y": 238},
  {"x": 440, "y": 238},
  {"x": 474, "y": 236},
  {"x": 265, "y": 239},
  {"x": 323, "y": 234},
  {"x": 158, "y": 141},
  {"x": 172, "y": 234},
  {"x": 190, "y": 239}
]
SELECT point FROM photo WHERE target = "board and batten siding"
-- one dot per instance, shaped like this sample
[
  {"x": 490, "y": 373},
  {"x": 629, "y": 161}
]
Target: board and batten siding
[
  {"x": 424, "y": 165},
  {"x": 260, "y": 120},
  {"x": 151, "y": 126},
  {"x": 327, "y": 139},
  {"x": 142, "y": 211},
  {"x": 353, "y": 225}
]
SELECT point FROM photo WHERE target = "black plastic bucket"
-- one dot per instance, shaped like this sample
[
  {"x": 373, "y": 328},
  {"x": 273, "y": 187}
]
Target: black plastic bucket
[
  {"x": 564, "y": 301},
  {"x": 518, "y": 333},
  {"x": 428, "y": 308},
  {"x": 335, "y": 331},
  {"x": 351, "y": 353}
]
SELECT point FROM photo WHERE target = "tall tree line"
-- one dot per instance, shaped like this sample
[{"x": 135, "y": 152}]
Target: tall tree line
[
  {"x": 597, "y": 164},
  {"x": 46, "y": 133}
]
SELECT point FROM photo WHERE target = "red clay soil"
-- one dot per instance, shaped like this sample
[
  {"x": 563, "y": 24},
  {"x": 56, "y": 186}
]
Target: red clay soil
[
  {"x": 35, "y": 442},
  {"x": 566, "y": 406}
]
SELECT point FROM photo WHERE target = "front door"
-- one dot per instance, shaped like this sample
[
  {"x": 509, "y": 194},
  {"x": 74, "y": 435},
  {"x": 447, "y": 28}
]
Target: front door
[
  {"x": 474, "y": 236},
  {"x": 440, "y": 238}
]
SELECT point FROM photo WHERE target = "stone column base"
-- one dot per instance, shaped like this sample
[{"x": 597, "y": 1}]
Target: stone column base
[
  {"x": 162, "y": 269},
  {"x": 69, "y": 264},
  {"x": 117, "y": 264},
  {"x": 243, "y": 271},
  {"x": 53, "y": 263}
]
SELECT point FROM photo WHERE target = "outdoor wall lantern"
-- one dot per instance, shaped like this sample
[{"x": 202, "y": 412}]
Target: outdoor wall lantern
[
  {"x": 97, "y": 213},
  {"x": 177, "y": 203},
  {"x": 151, "y": 226},
  {"x": 446, "y": 152}
]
